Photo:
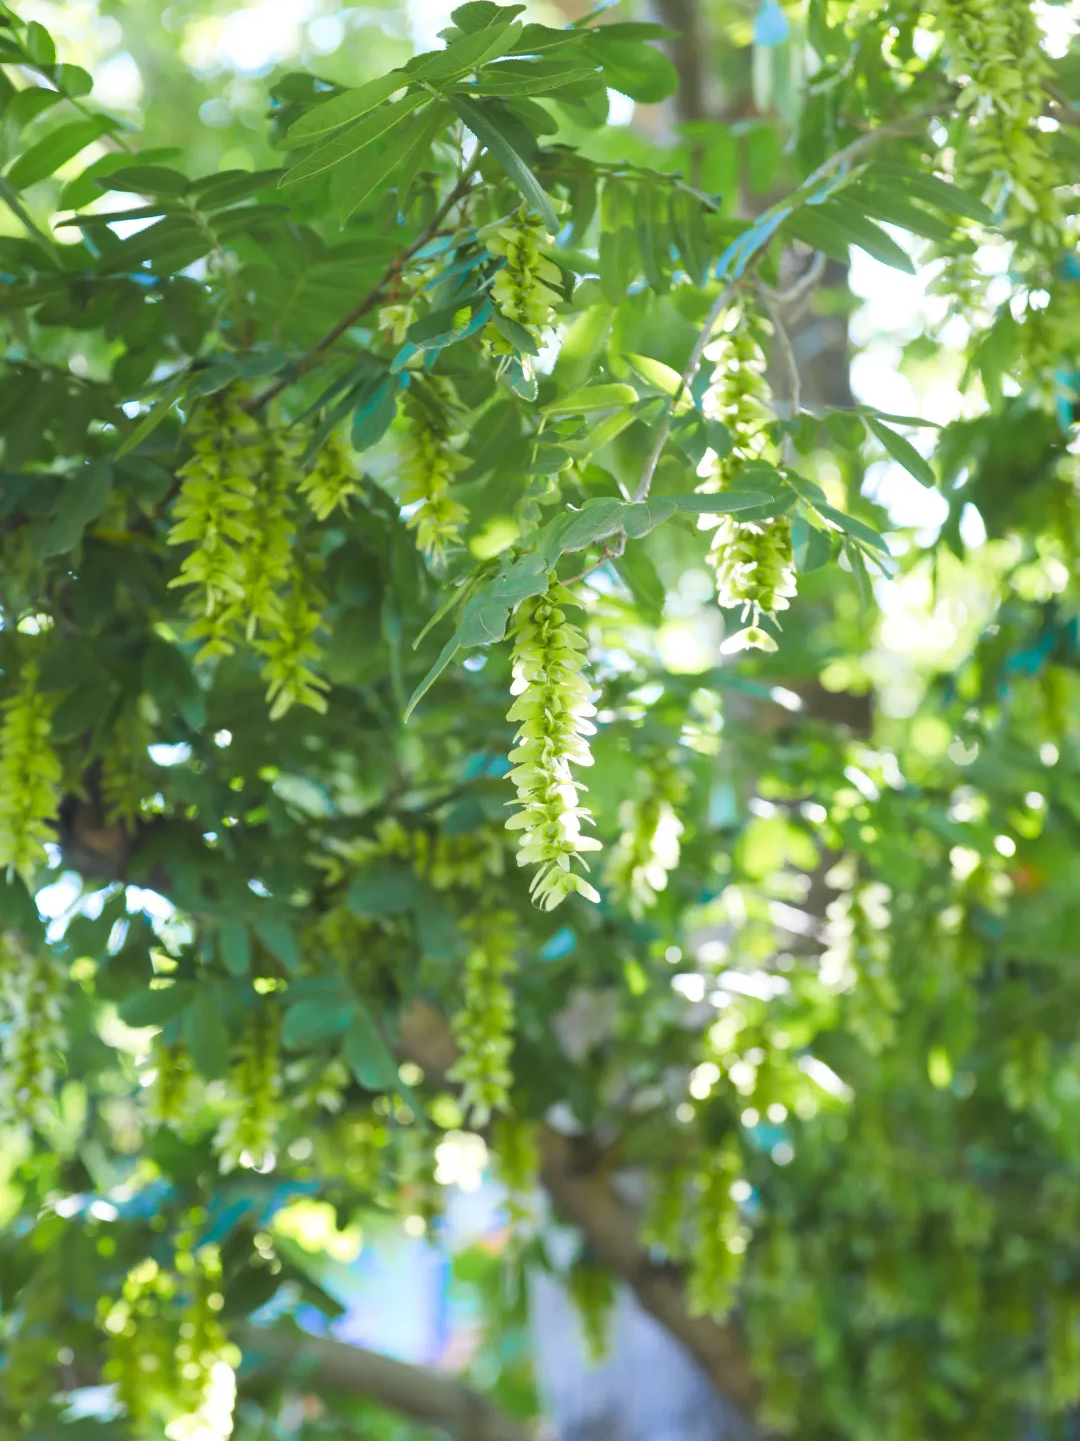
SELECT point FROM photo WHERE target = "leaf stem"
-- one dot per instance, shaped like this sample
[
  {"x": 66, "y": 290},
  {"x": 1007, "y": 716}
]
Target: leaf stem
[{"x": 368, "y": 301}]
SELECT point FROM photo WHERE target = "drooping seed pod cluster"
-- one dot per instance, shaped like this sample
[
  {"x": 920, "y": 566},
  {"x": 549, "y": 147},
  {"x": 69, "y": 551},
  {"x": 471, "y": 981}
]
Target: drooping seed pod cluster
[
  {"x": 31, "y": 1004},
  {"x": 522, "y": 289},
  {"x": 552, "y": 710},
  {"x": 30, "y": 775},
  {"x": 995, "y": 51},
  {"x": 212, "y": 516},
  {"x": 430, "y": 460},
  {"x": 167, "y": 1354},
  {"x": 752, "y": 559},
  {"x": 857, "y": 959},
  {"x": 169, "y": 1082},
  {"x": 483, "y": 1026},
  {"x": 250, "y": 579},
  {"x": 247, "y": 1134},
  {"x": 126, "y": 771},
  {"x": 647, "y": 849},
  {"x": 718, "y": 1249},
  {"x": 331, "y": 479}
]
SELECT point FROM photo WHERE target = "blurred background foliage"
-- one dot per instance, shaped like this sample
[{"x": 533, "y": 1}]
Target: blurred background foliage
[{"x": 817, "y": 1045}]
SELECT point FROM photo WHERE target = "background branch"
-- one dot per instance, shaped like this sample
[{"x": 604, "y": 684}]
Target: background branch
[
  {"x": 414, "y": 1391},
  {"x": 587, "y": 1200}
]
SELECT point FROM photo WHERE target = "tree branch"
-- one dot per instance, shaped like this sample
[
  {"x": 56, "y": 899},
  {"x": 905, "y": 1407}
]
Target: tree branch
[
  {"x": 371, "y": 299},
  {"x": 612, "y": 1232},
  {"x": 414, "y": 1391}
]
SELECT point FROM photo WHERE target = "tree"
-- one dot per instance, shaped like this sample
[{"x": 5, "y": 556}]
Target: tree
[{"x": 357, "y": 500}]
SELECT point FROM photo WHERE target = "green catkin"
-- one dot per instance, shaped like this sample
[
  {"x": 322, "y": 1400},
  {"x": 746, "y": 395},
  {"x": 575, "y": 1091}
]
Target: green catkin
[
  {"x": 593, "y": 1294},
  {"x": 291, "y": 650},
  {"x": 753, "y": 560},
  {"x": 126, "y": 771},
  {"x": 30, "y": 776},
  {"x": 268, "y": 556},
  {"x": 331, "y": 480},
  {"x": 169, "y": 1093},
  {"x": 552, "y": 709},
  {"x": 522, "y": 289},
  {"x": 213, "y": 516},
  {"x": 483, "y": 1027},
  {"x": 995, "y": 51},
  {"x": 428, "y": 465},
  {"x": 720, "y": 1240},
  {"x": 166, "y": 1351},
  {"x": 857, "y": 959},
  {"x": 646, "y": 851},
  {"x": 31, "y": 995},
  {"x": 247, "y": 1135},
  {"x": 665, "y": 1227}
]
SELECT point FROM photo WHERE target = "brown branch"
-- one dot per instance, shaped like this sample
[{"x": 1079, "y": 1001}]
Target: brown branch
[
  {"x": 609, "y": 1227},
  {"x": 415, "y": 1391},
  {"x": 368, "y": 301}
]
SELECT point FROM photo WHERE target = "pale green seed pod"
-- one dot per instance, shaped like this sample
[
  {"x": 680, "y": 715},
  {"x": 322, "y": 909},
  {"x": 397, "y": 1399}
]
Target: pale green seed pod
[
  {"x": 212, "y": 515},
  {"x": 718, "y": 1252},
  {"x": 483, "y": 1026},
  {"x": 753, "y": 560},
  {"x": 552, "y": 708},
  {"x": 30, "y": 776},
  {"x": 31, "y": 994},
  {"x": 248, "y": 1134},
  {"x": 332, "y": 479},
  {"x": 430, "y": 459}
]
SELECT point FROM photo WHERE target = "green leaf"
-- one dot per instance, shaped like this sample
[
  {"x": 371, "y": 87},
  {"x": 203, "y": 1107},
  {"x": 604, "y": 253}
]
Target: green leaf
[
  {"x": 640, "y": 577},
  {"x": 343, "y": 109},
  {"x": 155, "y": 415},
  {"x": 835, "y": 224},
  {"x": 467, "y": 53},
  {"x": 644, "y": 515},
  {"x": 480, "y": 14},
  {"x": 280, "y": 940},
  {"x": 482, "y": 120},
  {"x": 145, "y": 180},
  {"x": 39, "y": 44},
  {"x": 234, "y": 947},
  {"x": 358, "y": 135},
  {"x": 943, "y": 194},
  {"x": 510, "y": 78},
  {"x": 57, "y": 148},
  {"x": 903, "y": 452},
  {"x": 895, "y": 209},
  {"x": 633, "y": 68},
  {"x": 383, "y": 888},
  {"x": 516, "y": 334},
  {"x": 857, "y": 529},
  {"x": 206, "y": 1035},
  {"x": 309, "y": 1022},
  {"x": 724, "y": 502},
  {"x": 592, "y": 398},
  {"x": 375, "y": 413},
  {"x": 82, "y": 500},
  {"x": 596, "y": 520},
  {"x": 868, "y": 236},
  {"x": 366, "y": 171},
  {"x": 156, "y": 1007},
  {"x": 366, "y": 1054},
  {"x": 446, "y": 655},
  {"x": 656, "y": 373}
]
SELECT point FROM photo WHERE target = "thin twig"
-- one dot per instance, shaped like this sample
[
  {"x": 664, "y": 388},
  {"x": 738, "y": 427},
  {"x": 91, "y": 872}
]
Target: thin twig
[
  {"x": 368, "y": 301},
  {"x": 800, "y": 288},
  {"x": 787, "y": 350},
  {"x": 838, "y": 161},
  {"x": 686, "y": 380}
]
